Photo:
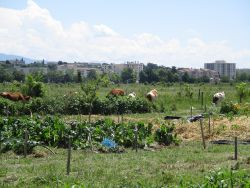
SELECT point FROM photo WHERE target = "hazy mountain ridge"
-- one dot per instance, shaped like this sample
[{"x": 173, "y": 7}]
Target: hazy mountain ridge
[{"x": 4, "y": 57}]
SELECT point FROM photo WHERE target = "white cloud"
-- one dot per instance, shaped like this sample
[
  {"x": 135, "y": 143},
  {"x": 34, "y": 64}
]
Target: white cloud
[{"x": 33, "y": 32}]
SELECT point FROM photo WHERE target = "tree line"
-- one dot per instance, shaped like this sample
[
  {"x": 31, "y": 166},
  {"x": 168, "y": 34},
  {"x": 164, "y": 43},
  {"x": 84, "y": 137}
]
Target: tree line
[{"x": 152, "y": 73}]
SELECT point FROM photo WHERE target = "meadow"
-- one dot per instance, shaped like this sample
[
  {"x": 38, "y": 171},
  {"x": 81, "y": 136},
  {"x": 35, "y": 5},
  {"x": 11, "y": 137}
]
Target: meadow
[
  {"x": 173, "y": 98},
  {"x": 183, "y": 165}
]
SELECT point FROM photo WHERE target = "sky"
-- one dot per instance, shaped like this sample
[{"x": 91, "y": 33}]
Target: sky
[{"x": 182, "y": 33}]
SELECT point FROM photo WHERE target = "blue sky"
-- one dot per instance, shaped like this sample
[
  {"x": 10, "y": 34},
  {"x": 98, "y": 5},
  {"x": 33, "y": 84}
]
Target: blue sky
[{"x": 163, "y": 31}]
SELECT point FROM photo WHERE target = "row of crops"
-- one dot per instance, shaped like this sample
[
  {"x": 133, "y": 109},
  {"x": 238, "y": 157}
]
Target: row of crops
[
  {"x": 75, "y": 105},
  {"x": 52, "y": 131}
]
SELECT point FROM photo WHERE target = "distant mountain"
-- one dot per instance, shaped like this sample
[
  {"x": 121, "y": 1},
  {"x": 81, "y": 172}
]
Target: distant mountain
[{"x": 4, "y": 57}]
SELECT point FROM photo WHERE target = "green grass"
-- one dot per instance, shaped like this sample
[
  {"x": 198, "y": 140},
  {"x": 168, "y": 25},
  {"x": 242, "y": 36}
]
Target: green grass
[
  {"x": 187, "y": 162},
  {"x": 168, "y": 101}
]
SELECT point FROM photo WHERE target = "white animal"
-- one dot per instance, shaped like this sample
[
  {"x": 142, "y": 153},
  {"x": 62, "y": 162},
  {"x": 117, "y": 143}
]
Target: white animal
[
  {"x": 152, "y": 95},
  {"x": 132, "y": 95},
  {"x": 218, "y": 97}
]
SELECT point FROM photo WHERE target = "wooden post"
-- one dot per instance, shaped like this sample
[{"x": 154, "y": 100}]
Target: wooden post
[
  {"x": 209, "y": 123},
  {"x": 202, "y": 98},
  {"x": 25, "y": 142},
  {"x": 205, "y": 108},
  {"x": 136, "y": 138},
  {"x": 202, "y": 134},
  {"x": 69, "y": 156},
  {"x": 199, "y": 94},
  {"x": 90, "y": 140},
  {"x": 235, "y": 149},
  {"x": 191, "y": 111}
]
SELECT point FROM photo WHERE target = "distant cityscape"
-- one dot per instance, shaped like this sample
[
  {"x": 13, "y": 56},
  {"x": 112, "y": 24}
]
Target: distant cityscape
[{"x": 214, "y": 70}]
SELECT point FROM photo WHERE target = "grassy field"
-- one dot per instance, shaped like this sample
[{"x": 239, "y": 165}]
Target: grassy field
[
  {"x": 173, "y": 98},
  {"x": 168, "y": 166}
]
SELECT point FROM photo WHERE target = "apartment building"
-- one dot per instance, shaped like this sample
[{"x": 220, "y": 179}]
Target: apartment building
[
  {"x": 223, "y": 68},
  {"x": 199, "y": 73},
  {"x": 118, "y": 68}
]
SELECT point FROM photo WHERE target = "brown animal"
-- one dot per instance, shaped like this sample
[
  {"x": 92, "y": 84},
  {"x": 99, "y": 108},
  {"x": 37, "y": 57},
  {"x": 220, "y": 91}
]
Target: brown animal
[
  {"x": 117, "y": 92},
  {"x": 15, "y": 96},
  {"x": 152, "y": 95}
]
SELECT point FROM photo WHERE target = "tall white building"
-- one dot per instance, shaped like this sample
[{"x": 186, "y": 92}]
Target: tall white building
[
  {"x": 223, "y": 68},
  {"x": 118, "y": 68}
]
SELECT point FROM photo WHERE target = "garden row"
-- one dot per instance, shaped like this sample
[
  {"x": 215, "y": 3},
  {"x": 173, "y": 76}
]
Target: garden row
[
  {"x": 51, "y": 131},
  {"x": 75, "y": 104}
]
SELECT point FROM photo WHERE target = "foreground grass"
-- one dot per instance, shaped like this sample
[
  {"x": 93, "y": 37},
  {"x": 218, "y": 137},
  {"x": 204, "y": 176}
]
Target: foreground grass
[{"x": 168, "y": 166}]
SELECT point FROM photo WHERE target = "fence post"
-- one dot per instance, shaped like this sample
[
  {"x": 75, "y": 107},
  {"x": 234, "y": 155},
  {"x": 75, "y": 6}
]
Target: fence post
[
  {"x": 69, "y": 156},
  {"x": 25, "y": 142},
  {"x": 202, "y": 134},
  {"x": 202, "y": 99},
  {"x": 199, "y": 94},
  {"x": 209, "y": 123},
  {"x": 235, "y": 149},
  {"x": 191, "y": 111},
  {"x": 136, "y": 138},
  {"x": 90, "y": 140}
]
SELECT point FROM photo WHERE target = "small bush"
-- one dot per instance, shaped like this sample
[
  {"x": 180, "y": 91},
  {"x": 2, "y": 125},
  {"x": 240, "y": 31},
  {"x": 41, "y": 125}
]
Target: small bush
[
  {"x": 165, "y": 135},
  {"x": 229, "y": 107}
]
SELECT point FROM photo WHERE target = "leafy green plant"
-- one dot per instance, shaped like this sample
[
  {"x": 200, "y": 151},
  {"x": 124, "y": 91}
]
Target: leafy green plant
[
  {"x": 165, "y": 135},
  {"x": 228, "y": 107},
  {"x": 242, "y": 91},
  {"x": 222, "y": 178},
  {"x": 33, "y": 87},
  {"x": 52, "y": 131}
]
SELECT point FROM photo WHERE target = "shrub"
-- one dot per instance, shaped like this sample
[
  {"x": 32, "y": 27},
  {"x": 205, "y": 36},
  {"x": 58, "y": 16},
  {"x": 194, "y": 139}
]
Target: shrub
[
  {"x": 229, "y": 107},
  {"x": 165, "y": 135},
  {"x": 33, "y": 87}
]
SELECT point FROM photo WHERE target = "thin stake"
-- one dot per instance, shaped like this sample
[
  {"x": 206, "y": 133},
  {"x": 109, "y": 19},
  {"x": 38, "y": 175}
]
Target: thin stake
[
  {"x": 191, "y": 111},
  {"x": 199, "y": 94},
  {"x": 69, "y": 156},
  {"x": 235, "y": 149},
  {"x": 202, "y": 134},
  {"x": 90, "y": 140},
  {"x": 202, "y": 98},
  {"x": 136, "y": 137},
  {"x": 209, "y": 123},
  {"x": 25, "y": 142}
]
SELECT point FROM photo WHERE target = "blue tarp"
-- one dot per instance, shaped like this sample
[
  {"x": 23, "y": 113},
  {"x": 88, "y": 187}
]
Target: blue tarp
[{"x": 109, "y": 143}]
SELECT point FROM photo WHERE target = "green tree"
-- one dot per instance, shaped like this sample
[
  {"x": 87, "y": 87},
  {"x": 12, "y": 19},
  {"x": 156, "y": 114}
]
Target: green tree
[
  {"x": 115, "y": 78},
  {"x": 69, "y": 76},
  {"x": 92, "y": 75},
  {"x": 79, "y": 77},
  {"x": 128, "y": 75},
  {"x": 242, "y": 77},
  {"x": 105, "y": 80},
  {"x": 52, "y": 67},
  {"x": 185, "y": 77},
  {"x": 242, "y": 91},
  {"x": 6, "y": 75},
  {"x": 143, "y": 77},
  {"x": 18, "y": 75},
  {"x": 33, "y": 87},
  {"x": 89, "y": 90},
  {"x": 225, "y": 79}
]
